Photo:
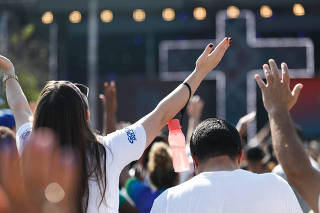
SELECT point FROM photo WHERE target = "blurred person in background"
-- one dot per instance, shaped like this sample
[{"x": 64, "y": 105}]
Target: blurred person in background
[
  {"x": 255, "y": 159},
  {"x": 109, "y": 104},
  {"x": 44, "y": 179},
  {"x": 62, "y": 108},
  {"x": 8, "y": 139},
  {"x": 278, "y": 99},
  {"x": 243, "y": 122},
  {"x": 7, "y": 119},
  {"x": 161, "y": 175},
  {"x": 194, "y": 111},
  {"x": 220, "y": 185}
]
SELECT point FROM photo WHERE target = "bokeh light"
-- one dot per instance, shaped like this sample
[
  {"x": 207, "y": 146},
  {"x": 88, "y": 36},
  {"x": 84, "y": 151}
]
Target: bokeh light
[
  {"x": 139, "y": 15},
  {"x": 199, "y": 13},
  {"x": 298, "y": 10},
  {"x": 168, "y": 14},
  {"x": 233, "y": 12},
  {"x": 75, "y": 17},
  {"x": 266, "y": 11},
  {"x": 106, "y": 16},
  {"x": 47, "y": 17}
]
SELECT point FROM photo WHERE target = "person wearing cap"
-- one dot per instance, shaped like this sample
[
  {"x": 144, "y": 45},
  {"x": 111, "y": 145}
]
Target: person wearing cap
[{"x": 220, "y": 185}]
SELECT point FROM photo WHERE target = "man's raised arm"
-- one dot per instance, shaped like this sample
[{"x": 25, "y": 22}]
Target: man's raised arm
[{"x": 278, "y": 99}]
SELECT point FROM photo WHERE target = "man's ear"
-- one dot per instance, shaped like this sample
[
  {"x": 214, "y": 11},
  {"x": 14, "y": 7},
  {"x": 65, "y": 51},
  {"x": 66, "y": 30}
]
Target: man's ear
[
  {"x": 239, "y": 159},
  {"x": 195, "y": 161},
  {"x": 88, "y": 115}
]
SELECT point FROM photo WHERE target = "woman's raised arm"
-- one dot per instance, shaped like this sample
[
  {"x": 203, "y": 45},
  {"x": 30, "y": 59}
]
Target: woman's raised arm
[
  {"x": 175, "y": 101},
  {"x": 16, "y": 99}
]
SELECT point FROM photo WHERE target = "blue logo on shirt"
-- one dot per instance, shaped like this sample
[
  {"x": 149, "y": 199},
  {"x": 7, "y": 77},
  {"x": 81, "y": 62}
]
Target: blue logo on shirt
[
  {"x": 131, "y": 136},
  {"x": 25, "y": 136}
]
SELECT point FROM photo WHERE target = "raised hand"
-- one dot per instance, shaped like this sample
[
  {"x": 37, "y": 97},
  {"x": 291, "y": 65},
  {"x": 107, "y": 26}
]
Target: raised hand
[
  {"x": 244, "y": 121},
  {"x": 276, "y": 92},
  {"x": 43, "y": 180},
  {"x": 109, "y": 98},
  {"x": 109, "y": 101},
  {"x": 209, "y": 59},
  {"x": 195, "y": 107},
  {"x": 6, "y": 65}
]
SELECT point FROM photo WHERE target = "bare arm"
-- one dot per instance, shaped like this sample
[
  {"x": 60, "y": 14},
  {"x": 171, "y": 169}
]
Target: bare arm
[
  {"x": 175, "y": 101},
  {"x": 15, "y": 96},
  {"x": 278, "y": 100}
]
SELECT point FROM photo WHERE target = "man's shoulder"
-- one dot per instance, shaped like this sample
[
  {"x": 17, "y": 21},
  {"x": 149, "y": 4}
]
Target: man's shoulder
[
  {"x": 271, "y": 178},
  {"x": 179, "y": 189}
]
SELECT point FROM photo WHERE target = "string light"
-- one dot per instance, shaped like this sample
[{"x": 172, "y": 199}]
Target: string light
[
  {"x": 47, "y": 17},
  {"x": 75, "y": 17},
  {"x": 139, "y": 15},
  {"x": 168, "y": 14},
  {"x": 233, "y": 12},
  {"x": 106, "y": 16},
  {"x": 266, "y": 11},
  {"x": 199, "y": 13},
  {"x": 298, "y": 10}
]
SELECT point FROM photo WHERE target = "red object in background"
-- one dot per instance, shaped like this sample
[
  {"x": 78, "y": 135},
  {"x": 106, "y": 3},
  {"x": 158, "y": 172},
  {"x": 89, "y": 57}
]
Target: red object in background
[
  {"x": 177, "y": 144},
  {"x": 306, "y": 112}
]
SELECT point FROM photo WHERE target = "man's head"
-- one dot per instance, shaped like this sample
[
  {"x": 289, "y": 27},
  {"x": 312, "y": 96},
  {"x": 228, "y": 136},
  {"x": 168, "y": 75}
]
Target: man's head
[
  {"x": 255, "y": 156},
  {"x": 213, "y": 138}
]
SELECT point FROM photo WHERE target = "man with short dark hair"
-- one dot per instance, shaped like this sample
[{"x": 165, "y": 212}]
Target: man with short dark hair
[{"x": 220, "y": 186}]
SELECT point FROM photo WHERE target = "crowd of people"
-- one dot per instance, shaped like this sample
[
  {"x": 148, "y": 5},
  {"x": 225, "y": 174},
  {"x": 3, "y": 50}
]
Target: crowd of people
[{"x": 51, "y": 160}]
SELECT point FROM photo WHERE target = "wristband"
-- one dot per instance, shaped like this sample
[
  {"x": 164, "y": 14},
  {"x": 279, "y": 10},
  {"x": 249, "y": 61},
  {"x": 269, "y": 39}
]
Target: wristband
[
  {"x": 9, "y": 76},
  {"x": 183, "y": 110}
]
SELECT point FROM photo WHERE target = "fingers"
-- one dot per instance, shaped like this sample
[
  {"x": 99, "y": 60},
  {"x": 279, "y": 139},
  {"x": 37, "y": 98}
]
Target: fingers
[
  {"x": 109, "y": 88},
  {"x": 208, "y": 49},
  {"x": 285, "y": 74},
  {"x": 222, "y": 47},
  {"x": 274, "y": 70},
  {"x": 296, "y": 91},
  {"x": 113, "y": 88},
  {"x": 267, "y": 74},
  {"x": 260, "y": 82},
  {"x": 106, "y": 88},
  {"x": 113, "y": 85}
]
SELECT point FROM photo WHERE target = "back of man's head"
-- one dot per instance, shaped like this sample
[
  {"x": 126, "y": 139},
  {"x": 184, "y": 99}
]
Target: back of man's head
[
  {"x": 215, "y": 137},
  {"x": 7, "y": 138}
]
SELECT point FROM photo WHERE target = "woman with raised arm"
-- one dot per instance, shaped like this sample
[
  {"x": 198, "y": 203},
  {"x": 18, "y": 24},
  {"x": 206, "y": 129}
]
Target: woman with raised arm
[{"x": 62, "y": 108}]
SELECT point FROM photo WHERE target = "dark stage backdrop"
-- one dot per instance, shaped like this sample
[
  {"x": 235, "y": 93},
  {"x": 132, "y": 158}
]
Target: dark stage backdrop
[{"x": 137, "y": 98}]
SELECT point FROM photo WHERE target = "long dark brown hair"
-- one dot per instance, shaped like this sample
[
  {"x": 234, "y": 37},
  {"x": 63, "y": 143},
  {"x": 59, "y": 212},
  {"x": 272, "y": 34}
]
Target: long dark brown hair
[{"x": 62, "y": 108}]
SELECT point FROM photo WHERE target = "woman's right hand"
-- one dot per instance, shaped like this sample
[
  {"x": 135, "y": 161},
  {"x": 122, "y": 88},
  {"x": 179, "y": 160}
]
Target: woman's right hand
[{"x": 6, "y": 66}]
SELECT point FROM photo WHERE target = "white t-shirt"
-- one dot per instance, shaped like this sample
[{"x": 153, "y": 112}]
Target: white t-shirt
[
  {"x": 122, "y": 147},
  {"x": 228, "y": 192},
  {"x": 319, "y": 204}
]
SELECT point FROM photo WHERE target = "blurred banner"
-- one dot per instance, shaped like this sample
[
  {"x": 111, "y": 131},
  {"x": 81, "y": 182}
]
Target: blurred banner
[
  {"x": 138, "y": 98},
  {"x": 305, "y": 113}
]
